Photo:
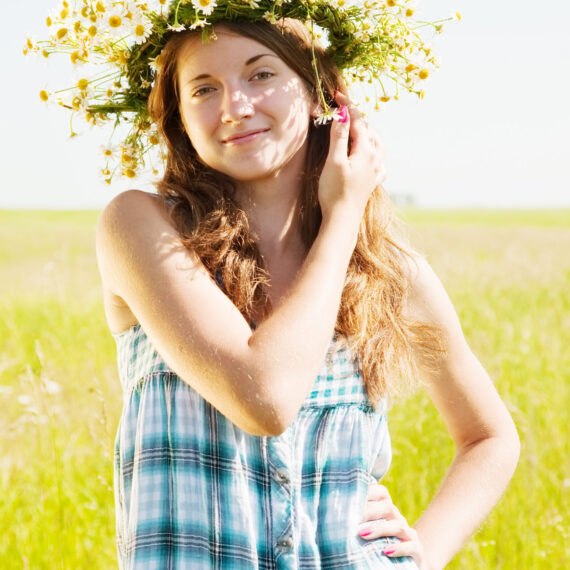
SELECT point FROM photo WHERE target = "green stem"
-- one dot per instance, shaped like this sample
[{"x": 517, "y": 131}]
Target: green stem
[
  {"x": 316, "y": 68},
  {"x": 176, "y": 12}
]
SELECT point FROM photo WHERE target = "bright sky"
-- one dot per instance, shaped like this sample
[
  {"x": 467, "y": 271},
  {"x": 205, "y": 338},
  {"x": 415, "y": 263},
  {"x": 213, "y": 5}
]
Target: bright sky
[{"x": 493, "y": 130}]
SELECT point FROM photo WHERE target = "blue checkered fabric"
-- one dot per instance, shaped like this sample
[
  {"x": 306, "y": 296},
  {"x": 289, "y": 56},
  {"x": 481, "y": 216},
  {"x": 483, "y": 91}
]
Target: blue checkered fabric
[{"x": 193, "y": 491}]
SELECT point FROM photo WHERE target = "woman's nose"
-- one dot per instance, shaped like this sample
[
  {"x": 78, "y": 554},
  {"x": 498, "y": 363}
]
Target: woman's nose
[{"x": 236, "y": 106}]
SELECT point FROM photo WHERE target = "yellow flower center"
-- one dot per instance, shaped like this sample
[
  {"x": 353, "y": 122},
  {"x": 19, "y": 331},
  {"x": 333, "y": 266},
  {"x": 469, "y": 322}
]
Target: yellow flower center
[
  {"x": 83, "y": 84},
  {"x": 409, "y": 12},
  {"x": 85, "y": 11},
  {"x": 205, "y": 3},
  {"x": 391, "y": 3},
  {"x": 458, "y": 16},
  {"x": 92, "y": 31},
  {"x": 100, "y": 7},
  {"x": 153, "y": 139},
  {"x": 74, "y": 57},
  {"x": 64, "y": 13},
  {"x": 139, "y": 30},
  {"x": 410, "y": 67},
  {"x": 61, "y": 33},
  {"x": 49, "y": 22},
  {"x": 129, "y": 173},
  {"x": 424, "y": 74},
  {"x": 44, "y": 95},
  {"x": 115, "y": 21}
]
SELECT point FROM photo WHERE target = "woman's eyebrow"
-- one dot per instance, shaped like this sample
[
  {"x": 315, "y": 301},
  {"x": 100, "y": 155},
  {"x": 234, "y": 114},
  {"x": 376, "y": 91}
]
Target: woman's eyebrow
[{"x": 250, "y": 61}]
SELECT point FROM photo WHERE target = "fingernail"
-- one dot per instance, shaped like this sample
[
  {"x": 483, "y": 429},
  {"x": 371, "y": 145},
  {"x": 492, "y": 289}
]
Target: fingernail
[
  {"x": 388, "y": 551},
  {"x": 342, "y": 114},
  {"x": 365, "y": 532}
]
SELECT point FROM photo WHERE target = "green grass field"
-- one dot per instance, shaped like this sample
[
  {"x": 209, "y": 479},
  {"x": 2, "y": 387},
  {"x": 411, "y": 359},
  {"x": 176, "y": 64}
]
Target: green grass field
[{"x": 508, "y": 274}]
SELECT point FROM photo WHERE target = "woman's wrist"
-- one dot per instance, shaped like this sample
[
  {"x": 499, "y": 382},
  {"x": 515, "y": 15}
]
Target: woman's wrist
[{"x": 341, "y": 224}]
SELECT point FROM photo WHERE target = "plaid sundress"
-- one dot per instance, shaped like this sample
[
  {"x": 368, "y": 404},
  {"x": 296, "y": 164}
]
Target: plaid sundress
[{"x": 193, "y": 491}]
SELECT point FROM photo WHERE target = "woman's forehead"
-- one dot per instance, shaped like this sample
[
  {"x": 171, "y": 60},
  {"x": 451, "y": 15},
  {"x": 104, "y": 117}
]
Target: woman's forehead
[{"x": 227, "y": 47}]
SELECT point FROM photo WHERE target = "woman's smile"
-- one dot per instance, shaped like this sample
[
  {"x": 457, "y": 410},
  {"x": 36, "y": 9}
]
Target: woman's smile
[{"x": 244, "y": 137}]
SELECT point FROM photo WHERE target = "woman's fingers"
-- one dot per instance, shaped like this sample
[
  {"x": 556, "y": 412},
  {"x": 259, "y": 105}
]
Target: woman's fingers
[
  {"x": 397, "y": 527},
  {"x": 352, "y": 169},
  {"x": 366, "y": 145},
  {"x": 378, "y": 504},
  {"x": 343, "y": 100},
  {"x": 377, "y": 492},
  {"x": 338, "y": 147},
  {"x": 382, "y": 519},
  {"x": 409, "y": 547}
]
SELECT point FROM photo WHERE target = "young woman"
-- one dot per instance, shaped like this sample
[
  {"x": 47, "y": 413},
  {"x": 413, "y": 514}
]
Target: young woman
[{"x": 263, "y": 312}]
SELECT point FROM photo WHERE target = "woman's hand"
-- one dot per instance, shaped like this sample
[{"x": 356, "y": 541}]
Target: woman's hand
[
  {"x": 349, "y": 177},
  {"x": 383, "y": 519}
]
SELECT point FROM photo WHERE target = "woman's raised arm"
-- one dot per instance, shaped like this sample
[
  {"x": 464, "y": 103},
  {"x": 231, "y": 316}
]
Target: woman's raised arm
[{"x": 257, "y": 379}]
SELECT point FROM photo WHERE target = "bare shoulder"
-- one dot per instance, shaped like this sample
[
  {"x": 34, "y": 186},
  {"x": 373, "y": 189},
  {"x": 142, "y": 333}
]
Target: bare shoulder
[
  {"x": 428, "y": 300},
  {"x": 130, "y": 210},
  {"x": 133, "y": 232},
  {"x": 131, "y": 225}
]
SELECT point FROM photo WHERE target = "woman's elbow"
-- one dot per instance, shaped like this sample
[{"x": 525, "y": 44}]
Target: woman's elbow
[{"x": 275, "y": 410}]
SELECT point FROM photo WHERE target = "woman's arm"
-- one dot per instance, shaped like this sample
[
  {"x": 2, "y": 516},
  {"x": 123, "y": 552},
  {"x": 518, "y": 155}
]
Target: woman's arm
[
  {"x": 487, "y": 444},
  {"x": 257, "y": 379}
]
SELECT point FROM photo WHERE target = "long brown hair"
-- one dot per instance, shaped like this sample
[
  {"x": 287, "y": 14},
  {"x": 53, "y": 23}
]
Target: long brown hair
[{"x": 216, "y": 228}]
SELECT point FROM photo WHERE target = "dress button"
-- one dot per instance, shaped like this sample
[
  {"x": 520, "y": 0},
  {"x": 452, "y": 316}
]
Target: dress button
[
  {"x": 285, "y": 543},
  {"x": 281, "y": 476}
]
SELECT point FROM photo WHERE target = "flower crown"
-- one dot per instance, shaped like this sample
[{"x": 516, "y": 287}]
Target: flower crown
[{"x": 376, "y": 43}]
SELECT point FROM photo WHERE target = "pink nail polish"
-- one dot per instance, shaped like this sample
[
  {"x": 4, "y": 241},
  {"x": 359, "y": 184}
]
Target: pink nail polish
[
  {"x": 365, "y": 532},
  {"x": 342, "y": 114},
  {"x": 388, "y": 551}
]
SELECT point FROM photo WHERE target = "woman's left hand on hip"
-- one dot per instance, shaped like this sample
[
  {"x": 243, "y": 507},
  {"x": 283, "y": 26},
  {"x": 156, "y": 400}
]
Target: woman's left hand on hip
[{"x": 383, "y": 519}]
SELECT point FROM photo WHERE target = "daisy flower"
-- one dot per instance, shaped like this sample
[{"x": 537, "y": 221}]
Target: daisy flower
[
  {"x": 116, "y": 22},
  {"x": 270, "y": 17},
  {"x": 109, "y": 151},
  {"x": 155, "y": 63},
  {"x": 141, "y": 28},
  {"x": 198, "y": 24},
  {"x": 207, "y": 6}
]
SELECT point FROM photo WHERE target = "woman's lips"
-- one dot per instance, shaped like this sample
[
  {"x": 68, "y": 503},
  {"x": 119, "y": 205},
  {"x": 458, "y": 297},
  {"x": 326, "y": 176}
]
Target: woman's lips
[{"x": 245, "y": 137}]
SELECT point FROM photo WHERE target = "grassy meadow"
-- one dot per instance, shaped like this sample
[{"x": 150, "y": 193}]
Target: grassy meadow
[{"x": 508, "y": 274}]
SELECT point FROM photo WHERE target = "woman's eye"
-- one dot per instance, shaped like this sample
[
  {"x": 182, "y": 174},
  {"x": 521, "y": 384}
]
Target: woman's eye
[
  {"x": 202, "y": 91},
  {"x": 263, "y": 75}
]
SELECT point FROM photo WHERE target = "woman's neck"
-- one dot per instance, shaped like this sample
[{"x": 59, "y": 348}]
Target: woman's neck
[{"x": 272, "y": 208}]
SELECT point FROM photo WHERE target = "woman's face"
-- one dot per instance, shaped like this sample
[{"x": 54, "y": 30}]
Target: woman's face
[{"x": 246, "y": 112}]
